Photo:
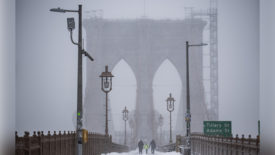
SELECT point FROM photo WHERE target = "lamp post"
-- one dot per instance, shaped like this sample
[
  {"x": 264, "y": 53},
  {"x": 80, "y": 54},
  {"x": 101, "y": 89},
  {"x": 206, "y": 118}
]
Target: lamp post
[
  {"x": 188, "y": 112},
  {"x": 125, "y": 118},
  {"x": 160, "y": 127},
  {"x": 106, "y": 87},
  {"x": 81, "y": 51},
  {"x": 170, "y": 107}
]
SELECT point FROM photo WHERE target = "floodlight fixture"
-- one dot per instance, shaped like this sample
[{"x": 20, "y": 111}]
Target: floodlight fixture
[{"x": 58, "y": 10}]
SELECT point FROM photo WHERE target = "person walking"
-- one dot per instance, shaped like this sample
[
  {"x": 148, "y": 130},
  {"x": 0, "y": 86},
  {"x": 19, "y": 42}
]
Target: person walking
[
  {"x": 140, "y": 146},
  {"x": 153, "y": 146},
  {"x": 146, "y": 147}
]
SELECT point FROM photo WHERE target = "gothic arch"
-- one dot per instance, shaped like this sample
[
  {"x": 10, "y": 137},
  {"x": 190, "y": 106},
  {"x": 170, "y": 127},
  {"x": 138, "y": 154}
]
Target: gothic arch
[
  {"x": 124, "y": 82},
  {"x": 169, "y": 82},
  {"x": 144, "y": 44}
]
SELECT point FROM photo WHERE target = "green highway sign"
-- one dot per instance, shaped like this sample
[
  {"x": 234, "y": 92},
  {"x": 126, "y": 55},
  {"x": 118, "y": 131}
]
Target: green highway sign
[{"x": 217, "y": 128}]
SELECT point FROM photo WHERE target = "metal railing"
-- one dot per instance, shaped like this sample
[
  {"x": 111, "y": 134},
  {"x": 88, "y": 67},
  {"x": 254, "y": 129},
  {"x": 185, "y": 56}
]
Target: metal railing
[
  {"x": 216, "y": 145},
  {"x": 64, "y": 144}
]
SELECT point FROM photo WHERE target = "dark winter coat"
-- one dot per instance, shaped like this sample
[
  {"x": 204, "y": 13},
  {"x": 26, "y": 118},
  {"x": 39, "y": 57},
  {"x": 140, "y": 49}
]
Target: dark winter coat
[
  {"x": 153, "y": 144},
  {"x": 140, "y": 144}
]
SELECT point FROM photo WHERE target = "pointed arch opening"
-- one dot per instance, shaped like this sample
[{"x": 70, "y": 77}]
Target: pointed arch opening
[
  {"x": 166, "y": 80},
  {"x": 123, "y": 94}
]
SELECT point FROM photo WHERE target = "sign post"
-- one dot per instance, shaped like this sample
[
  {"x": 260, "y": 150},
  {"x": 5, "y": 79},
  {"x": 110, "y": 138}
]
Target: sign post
[{"x": 217, "y": 128}]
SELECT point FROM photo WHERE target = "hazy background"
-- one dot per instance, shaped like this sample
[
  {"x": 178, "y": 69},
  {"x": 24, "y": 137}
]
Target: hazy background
[
  {"x": 7, "y": 76},
  {"x": 46, "y": 62},
  {"x": 239, "y": 64},
  {"x": 46, "y": 59},
  {"x": 50, "y": 62},
  {"x": 267, "y": 76}
]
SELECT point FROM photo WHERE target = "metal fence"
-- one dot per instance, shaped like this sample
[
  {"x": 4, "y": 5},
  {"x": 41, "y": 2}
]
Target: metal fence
[
  {"x": 64, "y": 144},
  {"x": 214, "y": 145}
]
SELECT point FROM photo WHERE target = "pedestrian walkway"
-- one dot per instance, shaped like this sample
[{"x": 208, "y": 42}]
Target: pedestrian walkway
[{"x": 136, "y": 153}]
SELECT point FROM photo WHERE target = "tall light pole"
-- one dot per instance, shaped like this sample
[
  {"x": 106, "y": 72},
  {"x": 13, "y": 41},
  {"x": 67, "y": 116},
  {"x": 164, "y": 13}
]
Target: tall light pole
[
  {"x": 188, "y": 112},
  {"x": 170, "y": 107},
  {"x": 106, "y": 87},
  {"x": 125, "y": 118},
  {"x": 71, "y": 26}
]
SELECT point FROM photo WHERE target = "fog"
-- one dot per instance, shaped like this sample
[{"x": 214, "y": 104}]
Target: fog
[
  {"x": 267, "y": 106},
  {"x": 7, "y": 76},
  {"x": 239, "y": 64},
  {"x": 46, "y": 61}
]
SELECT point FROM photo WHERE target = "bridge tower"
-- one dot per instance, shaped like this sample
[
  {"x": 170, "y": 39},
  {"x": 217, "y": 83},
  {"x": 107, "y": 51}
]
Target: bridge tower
[{"x": 212, "y": 55}]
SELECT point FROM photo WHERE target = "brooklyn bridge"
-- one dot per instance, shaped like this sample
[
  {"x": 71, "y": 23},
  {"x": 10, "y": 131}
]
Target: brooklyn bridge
[{"x": 159, "y": 78}]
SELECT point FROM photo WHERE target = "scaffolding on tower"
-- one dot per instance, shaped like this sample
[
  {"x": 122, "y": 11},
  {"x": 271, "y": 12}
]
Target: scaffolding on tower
[{"x": 210, "y": 15}]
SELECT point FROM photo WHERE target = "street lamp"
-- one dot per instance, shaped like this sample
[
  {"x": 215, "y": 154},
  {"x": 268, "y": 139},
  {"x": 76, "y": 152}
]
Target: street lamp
[
  {"x": 188, "y": 112},
  {"x": 170, "y": 107},
  {"x": 106, "y": 87},
  {"x": 160, "y": 127},
  {"x": 125, "y": 118},
  {"x": 81, "y": 51}
]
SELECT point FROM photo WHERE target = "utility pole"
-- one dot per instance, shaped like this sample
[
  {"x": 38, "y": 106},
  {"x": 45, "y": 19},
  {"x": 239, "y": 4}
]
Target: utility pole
[
  {"x": 71, "y": 26},
  {"x": 79, "y": 84},
  {"x": 188, "y": 110}
]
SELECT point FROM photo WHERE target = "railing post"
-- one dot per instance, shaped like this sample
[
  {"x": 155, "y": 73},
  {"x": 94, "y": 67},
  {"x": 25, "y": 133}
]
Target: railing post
[
  {"x": 207, "y": 145},
  {"x": 49, "y": 141},
  {"x": 217, "y": 152},
  {"x": 55, "y": 142},
  {"x": 60, "y": 142},
  {"x": 257, "y": 144},
  {"x": 231, "y": 145},
  {"x": 227, "y": 146},
  {"x": 43, "y": 142},
  {"x": 217, "y": 146},
  {"x": 91, "y": 144},
  {"x": 16, "y": 142},
  {"x": 64, "y": 140},
  {"x": 222, "y": 144},
  {"x": 88, "y": 144},
  {"x": 236, "y": 144},
  {"x": 242, "y": 140},
  {"x": 68, "y": 143},
  {"x": 27, "y": 143},
  {"x": 34, "y": 139},
  {"x": 73, "y": 141},
  {"x": 201, "y": 144},
  {"x": 212, "y": 146},
  {"x": 249, "y": 142},
  {"x": 40, "y": 143}
]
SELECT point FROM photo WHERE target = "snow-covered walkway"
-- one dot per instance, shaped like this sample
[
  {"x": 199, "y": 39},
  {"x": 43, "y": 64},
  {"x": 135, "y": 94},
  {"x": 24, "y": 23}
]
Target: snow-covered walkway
[{"x": 136, "y": 153}]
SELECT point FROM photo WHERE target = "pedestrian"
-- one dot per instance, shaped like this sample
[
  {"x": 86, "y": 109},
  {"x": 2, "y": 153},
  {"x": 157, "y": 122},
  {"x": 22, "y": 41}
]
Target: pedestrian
[
  {"x": 146, "y": 147},
  {"x": 153, "y": 146},
  {"x": 140, "y": 146}
]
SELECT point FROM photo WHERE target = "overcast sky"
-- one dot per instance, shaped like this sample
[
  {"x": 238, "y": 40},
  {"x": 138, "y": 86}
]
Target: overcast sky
[{"x": 46, "y": 59}]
